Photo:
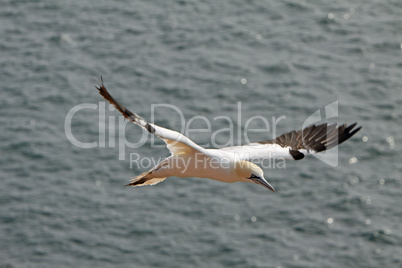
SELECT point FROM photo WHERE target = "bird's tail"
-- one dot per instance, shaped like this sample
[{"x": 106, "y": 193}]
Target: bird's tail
[{"x": 142, "y": 180}]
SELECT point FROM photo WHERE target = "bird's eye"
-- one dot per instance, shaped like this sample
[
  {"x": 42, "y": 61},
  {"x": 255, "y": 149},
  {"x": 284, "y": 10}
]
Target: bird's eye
[{"x": 253, "y": 176}]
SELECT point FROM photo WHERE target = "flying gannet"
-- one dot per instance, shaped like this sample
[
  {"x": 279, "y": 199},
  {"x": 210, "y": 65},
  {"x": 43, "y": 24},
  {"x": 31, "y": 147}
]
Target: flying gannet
[{"x": 230, "y": 164}]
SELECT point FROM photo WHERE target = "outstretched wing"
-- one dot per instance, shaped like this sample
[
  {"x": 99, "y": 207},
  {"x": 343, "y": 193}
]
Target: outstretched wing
[
  {"x": 175, "y": 141},
  {"x": 296, "y": 144}
]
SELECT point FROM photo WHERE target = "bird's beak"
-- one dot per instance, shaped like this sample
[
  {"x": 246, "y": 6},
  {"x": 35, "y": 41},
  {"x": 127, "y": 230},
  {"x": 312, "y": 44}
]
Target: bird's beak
[{"x": 264, "y": 183}]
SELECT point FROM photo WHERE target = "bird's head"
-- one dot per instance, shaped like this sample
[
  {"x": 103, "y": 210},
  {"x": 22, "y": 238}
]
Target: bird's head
[{"x": 250, "y": 172}]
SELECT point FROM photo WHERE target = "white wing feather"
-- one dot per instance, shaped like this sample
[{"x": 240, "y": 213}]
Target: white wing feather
[{"x": 175, "y": 141}]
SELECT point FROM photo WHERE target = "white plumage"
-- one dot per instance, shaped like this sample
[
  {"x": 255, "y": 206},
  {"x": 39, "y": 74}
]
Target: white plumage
[{"x": 230, "y": 164}]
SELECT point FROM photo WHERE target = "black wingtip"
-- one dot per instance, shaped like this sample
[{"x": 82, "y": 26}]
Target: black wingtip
[
  {"x": 355, "y": 130},
  {"x": 100, "y": 84},
  {"x": 352, "y": 130}
]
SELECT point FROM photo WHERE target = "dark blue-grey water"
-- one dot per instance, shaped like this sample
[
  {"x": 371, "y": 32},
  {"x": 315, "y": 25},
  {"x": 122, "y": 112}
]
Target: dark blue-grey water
[{"x": 64, "y": 206}]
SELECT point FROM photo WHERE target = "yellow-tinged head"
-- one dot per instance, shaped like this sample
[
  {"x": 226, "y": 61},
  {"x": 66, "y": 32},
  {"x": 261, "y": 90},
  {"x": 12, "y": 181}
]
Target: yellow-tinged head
[{"x": 251, "y": 172}]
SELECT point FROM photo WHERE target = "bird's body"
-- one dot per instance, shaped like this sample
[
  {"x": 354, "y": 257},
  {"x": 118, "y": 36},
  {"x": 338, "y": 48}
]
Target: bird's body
[
  {"x": 230, "y": 164},
  {"x": 197, "y": 165}
]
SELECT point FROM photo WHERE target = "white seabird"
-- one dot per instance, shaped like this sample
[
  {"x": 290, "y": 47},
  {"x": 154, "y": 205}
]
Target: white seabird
[{"x": 230, "y": 164}]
